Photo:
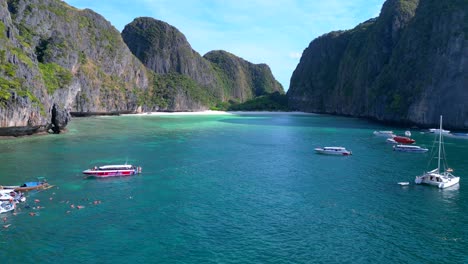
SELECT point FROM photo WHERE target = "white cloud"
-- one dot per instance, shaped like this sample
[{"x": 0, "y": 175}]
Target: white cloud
[{"x": 295, "y": 55}]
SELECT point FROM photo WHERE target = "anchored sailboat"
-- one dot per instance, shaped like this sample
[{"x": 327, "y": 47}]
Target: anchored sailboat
[{"x": 435, "y": 177}]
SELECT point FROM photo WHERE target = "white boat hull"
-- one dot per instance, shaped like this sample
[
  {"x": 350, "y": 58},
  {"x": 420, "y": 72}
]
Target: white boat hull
[
  {"x": 7, "y": 206},
  {"x": 439, "y": 180},
  {"x": 331, "y": 152}
]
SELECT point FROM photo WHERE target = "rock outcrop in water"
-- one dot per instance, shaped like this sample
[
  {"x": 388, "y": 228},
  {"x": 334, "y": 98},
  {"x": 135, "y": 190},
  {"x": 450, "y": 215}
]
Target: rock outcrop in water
[
  {"x": 407, "y": 66},
  {"x": 56, "y": 60}
]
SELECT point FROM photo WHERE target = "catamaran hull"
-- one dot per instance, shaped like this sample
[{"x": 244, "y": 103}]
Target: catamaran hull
[{"x": 440, "y": 185}]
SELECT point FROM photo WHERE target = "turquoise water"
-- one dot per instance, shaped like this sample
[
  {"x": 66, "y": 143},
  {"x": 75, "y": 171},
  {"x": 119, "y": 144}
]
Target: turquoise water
[{"x": 231, "y": 189}]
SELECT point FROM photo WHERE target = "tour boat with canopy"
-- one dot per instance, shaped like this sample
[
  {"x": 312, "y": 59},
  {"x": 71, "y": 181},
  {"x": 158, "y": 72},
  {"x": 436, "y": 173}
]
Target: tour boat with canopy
[
  {"x": 113, "y": 170},
  {"x": 435, "y": 177}
]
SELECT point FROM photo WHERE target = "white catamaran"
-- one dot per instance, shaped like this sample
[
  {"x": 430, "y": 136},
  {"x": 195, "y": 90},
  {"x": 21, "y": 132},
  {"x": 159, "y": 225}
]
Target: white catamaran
[{"x": 435, "y": 177}]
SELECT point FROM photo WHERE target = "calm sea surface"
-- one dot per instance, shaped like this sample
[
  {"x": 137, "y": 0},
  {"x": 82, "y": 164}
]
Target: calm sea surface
[{"x": 231, "y": 189}]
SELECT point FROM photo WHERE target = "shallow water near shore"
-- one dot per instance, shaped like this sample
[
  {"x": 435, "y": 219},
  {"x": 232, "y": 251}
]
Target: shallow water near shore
[{"x": 232, "y": 189}]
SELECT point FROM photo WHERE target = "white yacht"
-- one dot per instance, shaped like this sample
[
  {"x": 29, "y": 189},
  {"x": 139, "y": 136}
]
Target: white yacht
[
  {"x": 436, "y": 131},
  {"x": 436, "y": 177},
  {"x": 388, "y": 134},
  {"x": 409, "y": 148},
  {"x": 333, "y": 151}
]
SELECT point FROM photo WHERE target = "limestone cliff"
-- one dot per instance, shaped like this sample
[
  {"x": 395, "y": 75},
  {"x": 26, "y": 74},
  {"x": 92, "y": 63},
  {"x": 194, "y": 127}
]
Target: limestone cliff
[
  {"x": 56, "y": 60},
  {"x": 67, "y": 60},
  {"x": 407, "y": 66},
  {"x": 218, "y": 76}
]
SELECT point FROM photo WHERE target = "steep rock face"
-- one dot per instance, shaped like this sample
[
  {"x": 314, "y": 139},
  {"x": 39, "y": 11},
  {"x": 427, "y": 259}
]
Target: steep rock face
[
  {"x": 56, "y": 60},
  {"x": 407, "y": 66},
  {"x": 219, "y": 75},
  {"x": 164, "y": 49},
  {"x": 241, "y": 79},
  {"x": 24, "y": 103},
  {"x": 66, "y": 60}
]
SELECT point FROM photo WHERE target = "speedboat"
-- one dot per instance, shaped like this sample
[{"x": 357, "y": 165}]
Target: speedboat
[
  {"x": 388, "y": 134},
  {"x": 113, "y": 170},
  {"x": 11, "y": 195},
  {"x": 7, "y": 202},
  {"x": 409, "y": 148},
  {"x": 437, "y": 130},
  {"x": 6, "y": 206},
  {"x": 457, "y": 135},
  {"x": 404, "y": 140},
  {"x": 334, "y": 151},
  {"x": 437, "y": 177}
]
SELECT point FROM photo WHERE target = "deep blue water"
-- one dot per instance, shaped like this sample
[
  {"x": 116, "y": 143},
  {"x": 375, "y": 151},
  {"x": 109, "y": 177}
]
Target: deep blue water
[{"x": 232, "y": 189}]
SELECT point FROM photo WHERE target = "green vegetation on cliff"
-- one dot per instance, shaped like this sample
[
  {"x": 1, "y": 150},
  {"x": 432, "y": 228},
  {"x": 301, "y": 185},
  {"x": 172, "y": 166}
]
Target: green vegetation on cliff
[
  {"x": 55, "y": 76},
  {"x": 269, "y": 102}
]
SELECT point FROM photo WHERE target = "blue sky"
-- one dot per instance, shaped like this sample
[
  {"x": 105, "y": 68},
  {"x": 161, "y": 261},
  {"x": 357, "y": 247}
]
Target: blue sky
[{"x": 274, "y": 32}]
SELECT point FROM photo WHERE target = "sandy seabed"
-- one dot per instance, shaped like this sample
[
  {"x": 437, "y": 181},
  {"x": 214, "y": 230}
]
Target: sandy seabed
[{"x": 210, "y": 112}]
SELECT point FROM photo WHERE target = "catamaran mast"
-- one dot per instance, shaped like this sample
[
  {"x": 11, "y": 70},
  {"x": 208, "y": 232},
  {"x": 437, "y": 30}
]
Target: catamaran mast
[{"x": 440, "y": 143}]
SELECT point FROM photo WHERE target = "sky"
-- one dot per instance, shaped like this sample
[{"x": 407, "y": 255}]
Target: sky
[{"x": 274, "y": 32}]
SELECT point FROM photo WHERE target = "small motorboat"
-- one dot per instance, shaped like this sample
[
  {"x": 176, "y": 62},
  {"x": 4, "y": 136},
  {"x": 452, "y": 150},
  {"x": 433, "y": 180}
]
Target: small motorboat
[
  {"x": 409, "y": 148},
  {"x": 437, "y": 130},
  {"x": 457, "y": 135},
  {"x": 403, "y": 183},
  {"x": 8, "y": 195},
  {"x": 41, "y": 183},
  {"x": 6, "y": 206},
  {"x": 388, "y": 134},
  {"x": 404, "y": 140},
  {"x": 113, "y": 170},
  {"x": 334, "y": 151}
]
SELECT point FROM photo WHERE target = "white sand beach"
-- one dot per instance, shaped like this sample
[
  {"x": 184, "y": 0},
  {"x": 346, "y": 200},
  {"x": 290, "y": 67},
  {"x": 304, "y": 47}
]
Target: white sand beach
[{"x": 211, "y": 112}]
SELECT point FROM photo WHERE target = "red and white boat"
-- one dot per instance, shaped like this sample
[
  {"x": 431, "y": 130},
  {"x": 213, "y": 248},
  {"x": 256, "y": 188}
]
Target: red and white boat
[
  {"x": 404, "y": 140},
  {"x": 113, "y": 170}
]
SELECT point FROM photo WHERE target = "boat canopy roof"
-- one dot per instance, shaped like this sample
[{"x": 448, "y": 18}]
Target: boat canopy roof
[
  {"x": 408, "y": 146},
  {"x": 334, "y": 148},
  {"x": 31, "y": 184},
  {"x": 116, "y": 167}
]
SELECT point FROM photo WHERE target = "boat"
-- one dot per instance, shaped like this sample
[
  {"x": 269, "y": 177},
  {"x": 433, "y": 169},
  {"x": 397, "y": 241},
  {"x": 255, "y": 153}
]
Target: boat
[
  {"x": 403, "y": 183},
  {"x": 437, "y": 177},
  {"x": 334, "y": 151},
  {"x": 404, "y": 140},
  {"x": 6, "y": 206},
  {"x": 8, "y": 195},
  {"x": 113, "y": 170},
  {"x": 409, "y": 148},
  {"x": 437, "y": 130},
  {"x": 382, "y": 133},
  {"x": 41, "y": 183},
  {"x": 457, "y": 135}
]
